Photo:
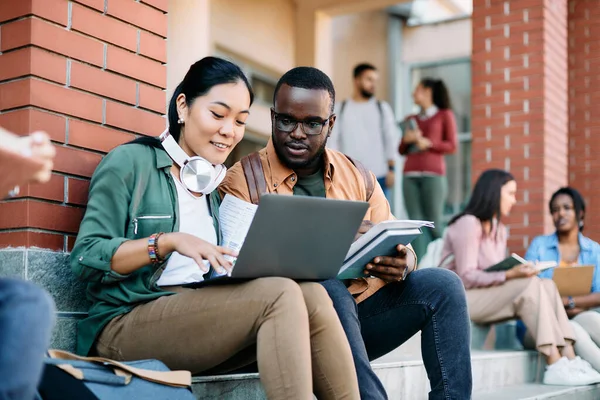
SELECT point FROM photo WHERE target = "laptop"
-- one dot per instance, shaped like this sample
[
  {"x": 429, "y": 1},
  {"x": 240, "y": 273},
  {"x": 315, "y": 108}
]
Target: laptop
[
  {"x": 574, "y": 281},
  {"x": 298, "y": 237}
]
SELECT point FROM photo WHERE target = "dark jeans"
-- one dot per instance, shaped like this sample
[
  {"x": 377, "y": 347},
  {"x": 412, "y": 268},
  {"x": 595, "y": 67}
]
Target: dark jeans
[
  {"x": 26, "y": 321},
  {"x": 431, "y": 301}
]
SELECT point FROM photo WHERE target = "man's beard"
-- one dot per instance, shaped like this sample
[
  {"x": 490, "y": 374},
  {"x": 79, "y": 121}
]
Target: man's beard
[
  {"x": 294, "y": 165},
  {"x": 366, "y": 93}
]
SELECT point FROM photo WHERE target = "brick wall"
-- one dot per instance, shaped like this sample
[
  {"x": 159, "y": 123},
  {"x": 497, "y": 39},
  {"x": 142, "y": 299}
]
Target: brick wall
[
  {"x": 584, "y": 96},
  {"x": 92, "y": 74},
  {"x": 519, "y": 103}
]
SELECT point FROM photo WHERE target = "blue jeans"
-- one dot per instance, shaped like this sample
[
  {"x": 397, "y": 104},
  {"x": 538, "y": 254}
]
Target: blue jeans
[
  {"x": 431, "y": 301},
  {"x": 384, "y": 187},
  {"x": 26, "y": 322}
]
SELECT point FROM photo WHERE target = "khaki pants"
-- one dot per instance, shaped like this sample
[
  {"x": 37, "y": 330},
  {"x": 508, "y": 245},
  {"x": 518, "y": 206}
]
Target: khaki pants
[
  {"x": 290, "y": 329},
  {"x": 535, "y": 301}
]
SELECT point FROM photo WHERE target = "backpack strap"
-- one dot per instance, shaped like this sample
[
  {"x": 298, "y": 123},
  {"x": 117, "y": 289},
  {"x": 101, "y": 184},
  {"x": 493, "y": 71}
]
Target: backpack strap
[
  {"x": 341, "y": 136},
  {"x": 381, "y": 125},
  {"x": 257, "y": 183},
  {"x": 255, "y": 176},
  {"x": 367, "y": 177}
]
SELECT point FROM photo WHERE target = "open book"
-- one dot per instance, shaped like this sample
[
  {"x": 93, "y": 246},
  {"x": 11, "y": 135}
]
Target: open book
[
  {"x": 380, "y": 240},
  {"x": 514, "y": 259},
  {"x": 235, "y": 217}
]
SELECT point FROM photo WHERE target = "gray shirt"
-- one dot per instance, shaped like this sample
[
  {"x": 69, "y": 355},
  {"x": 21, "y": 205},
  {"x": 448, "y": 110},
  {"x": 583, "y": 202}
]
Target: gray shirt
[{"x": 357, "y": 133}]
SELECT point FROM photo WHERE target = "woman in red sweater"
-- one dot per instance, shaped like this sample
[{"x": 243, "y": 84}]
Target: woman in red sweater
[{"x": 428, "y": 137}]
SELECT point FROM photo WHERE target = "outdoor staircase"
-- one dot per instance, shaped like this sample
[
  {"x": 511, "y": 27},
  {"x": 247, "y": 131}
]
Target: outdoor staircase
[
  {"x": 502, "y": 370},
  {"x": 507, "y": 374}
]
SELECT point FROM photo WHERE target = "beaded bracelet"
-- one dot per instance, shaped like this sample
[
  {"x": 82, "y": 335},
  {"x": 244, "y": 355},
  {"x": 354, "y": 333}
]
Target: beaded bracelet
[{"x": 155, "y": 257}]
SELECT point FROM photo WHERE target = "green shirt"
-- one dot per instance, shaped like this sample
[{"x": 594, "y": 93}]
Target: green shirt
[
  {"x": 311, "y": 185},
  {"x": 132, "y": 195}
]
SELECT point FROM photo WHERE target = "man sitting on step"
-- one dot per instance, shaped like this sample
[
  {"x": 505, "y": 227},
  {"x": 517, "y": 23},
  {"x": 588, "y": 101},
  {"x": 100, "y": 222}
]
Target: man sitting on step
[{"x": 380, "y": 313}]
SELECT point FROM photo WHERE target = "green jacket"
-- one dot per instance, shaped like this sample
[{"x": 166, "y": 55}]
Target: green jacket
[{"x": 132, "y": 195}]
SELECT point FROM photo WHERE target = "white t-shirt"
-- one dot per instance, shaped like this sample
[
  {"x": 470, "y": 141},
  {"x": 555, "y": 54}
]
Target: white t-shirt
[
  {"x": 360, "y": 124},
  {"x": 195, "y": 219}
]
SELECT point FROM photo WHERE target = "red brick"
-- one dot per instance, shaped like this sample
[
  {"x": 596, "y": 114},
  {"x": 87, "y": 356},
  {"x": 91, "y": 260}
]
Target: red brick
[
  {"x": 97, "y": 4},
  {"x": 43, "y": 34},
  {"x": 71, "y": 243},
  {"x": 28, "y": 120},
  {"x": 153, "y": 46},
  {"x": 54, "y": 217},
  {"x": 14, "y": 9},
  {"x": 140, "y": 15},
  {"x": 15, "y": 94},
  {"x": 76, "y": 162},
  {"x": 13, "y": 214},
  {"x": 53, "y": 190},
  {"x": 33, "y": 61},
  {"x": 63, "y": 100},
  {"x": 104, "y": 83},
  {"x": 104, "y": 27},
  {"x": 78, "y": 191},
  {"x": 133, "y": 119},
  {"x": 53, "y": 10},
  {"x": 43, "y": 240},
  {"x": 96, "y": 137},
  {"x": 162, "y": 5},
  {"x": 153, "y": 98},
  {"x": 135, "y": 66}
]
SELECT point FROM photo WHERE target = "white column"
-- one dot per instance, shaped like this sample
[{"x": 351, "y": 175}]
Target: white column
[{"x": 188, "y": 38}]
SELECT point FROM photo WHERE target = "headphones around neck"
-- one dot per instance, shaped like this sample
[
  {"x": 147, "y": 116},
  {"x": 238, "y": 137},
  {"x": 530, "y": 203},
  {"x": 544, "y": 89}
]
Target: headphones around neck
[{"x": 195, "y": 173}]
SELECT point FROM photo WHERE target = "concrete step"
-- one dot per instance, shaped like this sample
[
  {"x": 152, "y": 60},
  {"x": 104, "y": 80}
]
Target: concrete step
[
  {"x": 532, "y": 391},
  {"x": 402, "y": 378}
]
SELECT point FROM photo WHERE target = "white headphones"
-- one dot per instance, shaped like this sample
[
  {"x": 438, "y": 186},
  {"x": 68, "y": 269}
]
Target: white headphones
[{"x": 196, "y": 174}]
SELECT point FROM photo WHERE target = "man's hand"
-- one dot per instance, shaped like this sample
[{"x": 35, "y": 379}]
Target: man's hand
[
  {"x": 389, "y": 179},
  {"x": 390, "y": 269},
  {"x": 364, "y": 228}
]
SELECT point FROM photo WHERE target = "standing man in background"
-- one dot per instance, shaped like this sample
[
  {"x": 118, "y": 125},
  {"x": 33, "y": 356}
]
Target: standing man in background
[{"x": 366, "y": 128}]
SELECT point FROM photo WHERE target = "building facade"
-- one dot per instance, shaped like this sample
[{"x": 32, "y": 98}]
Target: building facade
[{"x": 97, "y": 73}]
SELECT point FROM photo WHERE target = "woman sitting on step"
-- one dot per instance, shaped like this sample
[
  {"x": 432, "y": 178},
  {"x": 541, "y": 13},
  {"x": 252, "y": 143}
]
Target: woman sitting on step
[
  {"x": 477, "y": 239},
  {"x": 136, "y": 273},
  {"x": 568, "y": 247}
]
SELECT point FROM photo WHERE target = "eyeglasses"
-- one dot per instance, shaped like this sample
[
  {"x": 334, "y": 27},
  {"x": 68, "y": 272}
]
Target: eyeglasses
[{"x": 311, "y": 127}]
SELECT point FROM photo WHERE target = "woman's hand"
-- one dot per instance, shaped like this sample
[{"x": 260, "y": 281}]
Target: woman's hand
[
  {"x": 412, "y": 136},
  {"x": 197, "y": 249},
  {"x": 423, "y": 143},
  {"x": 521, "y": 271},
  {"x": 573, "y": 312}
]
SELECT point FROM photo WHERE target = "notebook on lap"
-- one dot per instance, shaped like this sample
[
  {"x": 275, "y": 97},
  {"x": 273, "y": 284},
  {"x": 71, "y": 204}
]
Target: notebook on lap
[{"x": 574, "y": 281}]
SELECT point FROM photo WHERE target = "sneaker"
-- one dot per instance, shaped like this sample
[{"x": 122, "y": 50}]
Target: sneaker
[
  {"x": 586, "y": 367},
  {"x": 563, "y": 373}
]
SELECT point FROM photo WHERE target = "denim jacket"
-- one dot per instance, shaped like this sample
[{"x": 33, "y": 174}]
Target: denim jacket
[
  {"x": 545, "y": 248},
  {"x": 132, "y": 195}
]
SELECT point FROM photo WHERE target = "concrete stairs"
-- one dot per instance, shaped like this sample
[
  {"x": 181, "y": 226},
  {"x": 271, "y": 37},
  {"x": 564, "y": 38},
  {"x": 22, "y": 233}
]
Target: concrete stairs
[
  {"x": 502, "y": 370},
  {"x": 498, "y": 374}
]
